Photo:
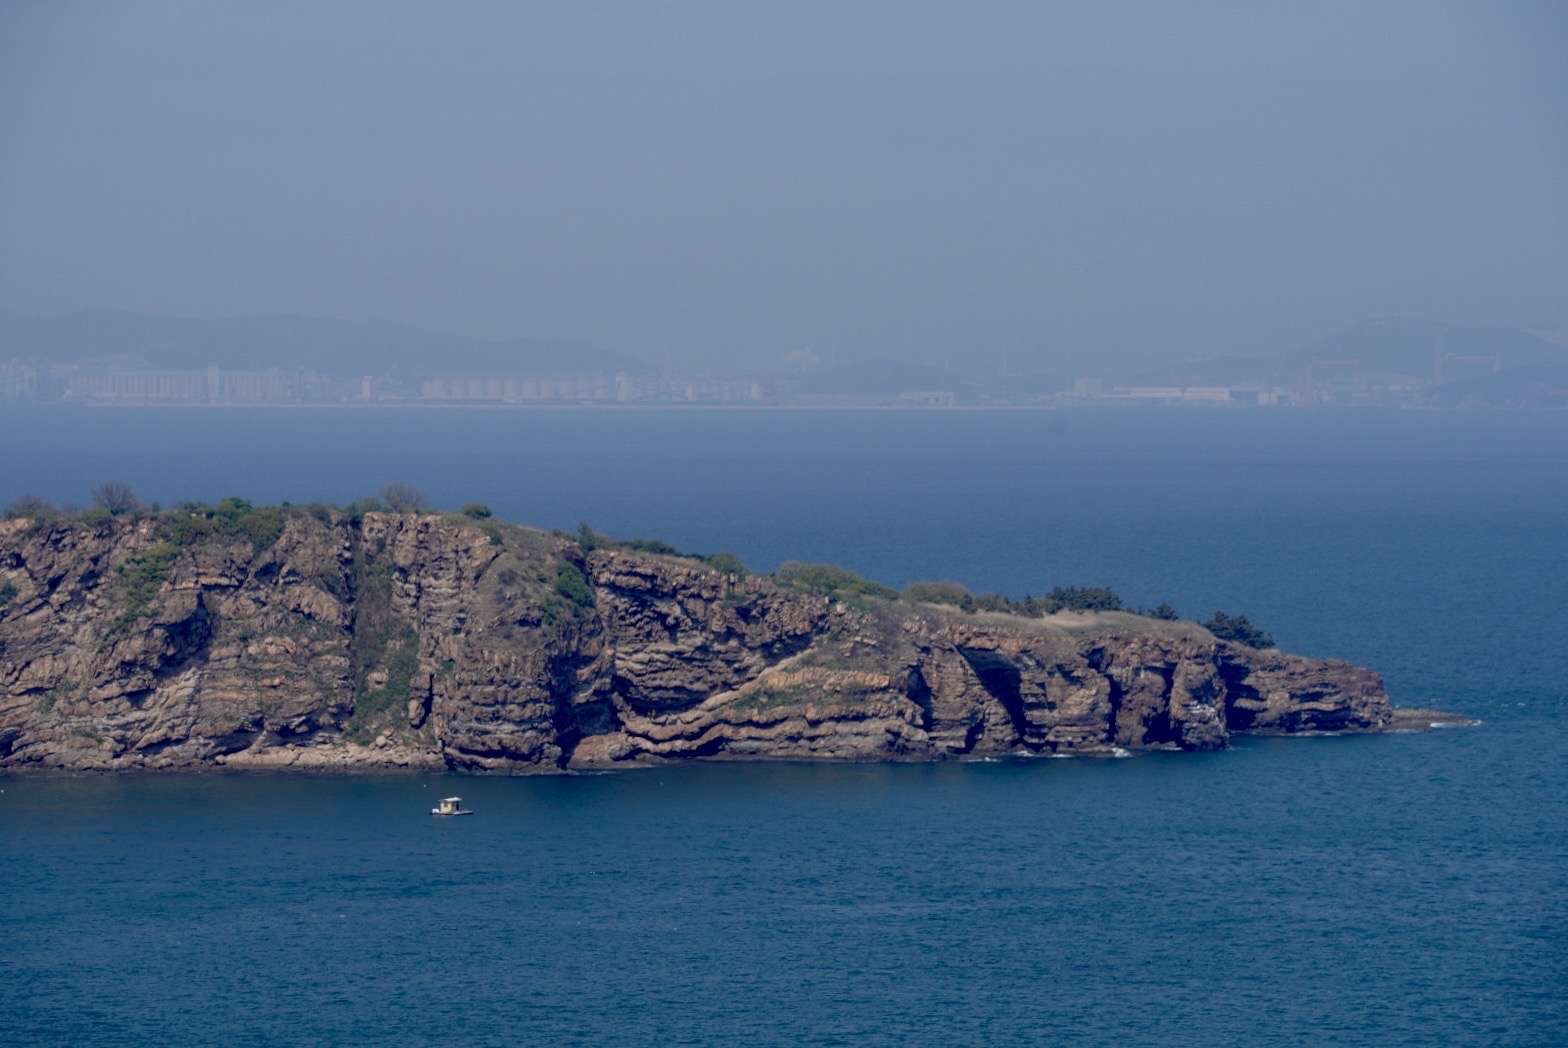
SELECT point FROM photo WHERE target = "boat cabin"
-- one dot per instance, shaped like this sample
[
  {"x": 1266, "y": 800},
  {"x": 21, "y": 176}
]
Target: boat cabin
[{"x": 451, "y": 806}]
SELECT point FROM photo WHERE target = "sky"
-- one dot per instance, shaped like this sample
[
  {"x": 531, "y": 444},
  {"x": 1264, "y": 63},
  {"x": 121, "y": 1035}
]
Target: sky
[{"x": 1029, "y": 186}]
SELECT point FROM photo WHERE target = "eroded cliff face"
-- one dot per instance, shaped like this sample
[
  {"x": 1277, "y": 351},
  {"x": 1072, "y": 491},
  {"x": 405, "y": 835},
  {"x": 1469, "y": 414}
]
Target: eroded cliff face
[{"x": 435, "y": 641}]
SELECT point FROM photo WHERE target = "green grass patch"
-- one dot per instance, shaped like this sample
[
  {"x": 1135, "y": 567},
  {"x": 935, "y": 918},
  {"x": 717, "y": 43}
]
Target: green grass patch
[
  {"x": 589, "y": 539},
  {"x": 234, "y": 517},
  {"x": 765, "y": 698},
  {"x": 939, "y": 593},
  {"x": 63, "y": 690},
  {"x": 142, "y": 577},
  {"x": 829, "y": 580},
  {"x": 381, "y": 640},
  {"x": 573, "y": 585}
]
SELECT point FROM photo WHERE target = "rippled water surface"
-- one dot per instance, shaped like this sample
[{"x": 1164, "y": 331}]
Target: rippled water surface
[{"x": 1403, "y": 889}]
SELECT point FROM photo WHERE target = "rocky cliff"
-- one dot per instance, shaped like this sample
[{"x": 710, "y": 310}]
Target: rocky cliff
[{"x": 288, "y": 638}]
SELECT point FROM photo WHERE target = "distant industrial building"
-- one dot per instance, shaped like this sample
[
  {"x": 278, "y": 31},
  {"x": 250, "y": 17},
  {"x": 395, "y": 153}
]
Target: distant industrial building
[
  {"x": 926, "y": 399},
  {"x": 18, "y": 382},
  {"x": 146, "y": 386},
  {"x": 617, "y": 389},
  {"x": 499, "y": 390},
  {"x": 1171, "y": 394}
]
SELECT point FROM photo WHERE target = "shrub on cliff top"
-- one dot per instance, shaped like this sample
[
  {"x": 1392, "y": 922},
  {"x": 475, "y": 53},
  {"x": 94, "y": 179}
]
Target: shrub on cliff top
[
  {"x": 117, "y": 497},
  {"x": 1082, "y": 598},
  {"x": 1237, "y": 628},
  {"x": 263, "y": 527},
  {"x": 355, "y": 511},
  {"x": 828, "y": 579},
  {"x": 658, "y": 546},
  {"x": 31, "y": 506},
  {"x": 404, "y": 498},
  {"x": 195, "y": 522},
  {"x": 997, "y": 602},
  {"x": 728, "y": 563},
  {"x": 591, "y": 540},
  {"x": 939, "y": 592}
]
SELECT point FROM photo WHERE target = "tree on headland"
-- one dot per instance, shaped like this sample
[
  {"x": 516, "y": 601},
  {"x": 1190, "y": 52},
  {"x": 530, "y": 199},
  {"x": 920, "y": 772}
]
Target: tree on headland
[
  {"x": 31, "y": 506},
  {"x": 590, "y": 540},
  {"x": 117, "y": 497},
  {"x": 355, "y": 511},
  {"x": 1082, "y": 598},
  {"x": 726, "y": 562},
  {"x": 403, "y": 498},
  {"x": 1238, "y": 629}
]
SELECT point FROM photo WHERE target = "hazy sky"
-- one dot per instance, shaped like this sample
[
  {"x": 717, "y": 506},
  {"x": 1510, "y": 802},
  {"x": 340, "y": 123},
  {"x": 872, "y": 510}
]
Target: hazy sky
[{"x": 946, "y": 182}]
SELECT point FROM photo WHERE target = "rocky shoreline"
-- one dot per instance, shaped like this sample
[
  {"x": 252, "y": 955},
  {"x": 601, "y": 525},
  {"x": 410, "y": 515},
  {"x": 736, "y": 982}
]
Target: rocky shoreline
[{"x": 323, "y": 641}]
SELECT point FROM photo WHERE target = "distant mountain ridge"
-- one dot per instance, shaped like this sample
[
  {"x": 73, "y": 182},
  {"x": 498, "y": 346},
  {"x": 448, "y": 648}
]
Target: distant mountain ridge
[
  {"x": 287, "y": 342},
  {"x": 1530, "y": 386},
  {"x": 879, "y": 377},
  {"x": 1411, "y": 347},
  {"x": 1418, "y": 349},
  {"x": 1390, "y": 345}
]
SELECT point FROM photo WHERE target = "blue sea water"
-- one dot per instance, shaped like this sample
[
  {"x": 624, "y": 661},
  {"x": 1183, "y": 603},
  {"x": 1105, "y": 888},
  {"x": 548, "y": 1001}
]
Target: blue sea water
[{"x": 1405, "y": 889}]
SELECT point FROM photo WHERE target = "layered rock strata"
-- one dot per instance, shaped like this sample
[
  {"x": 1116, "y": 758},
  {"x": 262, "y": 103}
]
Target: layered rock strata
[{"x": 436, "y": 641}]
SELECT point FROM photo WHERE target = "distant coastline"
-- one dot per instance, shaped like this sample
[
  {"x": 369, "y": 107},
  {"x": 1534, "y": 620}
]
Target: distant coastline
[
  {"x": 1068, "y": 406},
  {"x": 144, "y": 360}
]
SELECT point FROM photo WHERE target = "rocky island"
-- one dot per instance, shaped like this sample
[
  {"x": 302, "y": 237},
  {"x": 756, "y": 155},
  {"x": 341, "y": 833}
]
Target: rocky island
[{"x": 313, "y": 637}]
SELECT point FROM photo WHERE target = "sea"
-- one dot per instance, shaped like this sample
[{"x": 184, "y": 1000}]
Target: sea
[{"x": 1403, "y": 889}]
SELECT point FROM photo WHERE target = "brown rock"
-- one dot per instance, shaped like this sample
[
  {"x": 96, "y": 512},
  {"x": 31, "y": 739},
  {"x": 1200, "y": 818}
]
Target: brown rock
[{"x": 450, "y": 642}]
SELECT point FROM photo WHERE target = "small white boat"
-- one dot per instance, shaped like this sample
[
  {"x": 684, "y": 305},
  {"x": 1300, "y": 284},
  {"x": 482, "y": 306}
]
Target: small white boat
[{"x": 451, "y": 806}]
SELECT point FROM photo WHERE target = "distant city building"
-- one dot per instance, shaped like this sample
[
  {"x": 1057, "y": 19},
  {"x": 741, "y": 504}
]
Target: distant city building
[
  {"x": 137, "y": 386},
  {"x": 18, "y": 382},
  {"x": 499, "y": 390},
  {"x": 1177, "y": 394},
  {"x": 924, "y": 399},
  {"x": 209, "y": 386},
  {"x": 620, "y": 389}
]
